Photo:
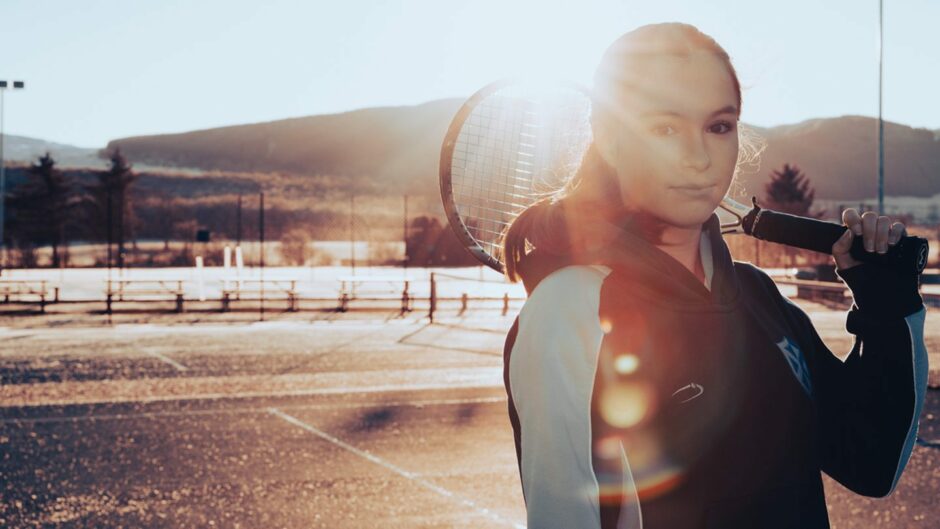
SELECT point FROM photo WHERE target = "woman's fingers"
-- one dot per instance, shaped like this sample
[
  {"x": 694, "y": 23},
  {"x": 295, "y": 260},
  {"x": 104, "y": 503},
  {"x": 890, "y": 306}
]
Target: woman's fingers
[
  {"x": 852, "y": 220},
  {"x": 878, "y": 234},
  {"x": 869, "y": 229},
  {"x": 897, "y": 231},
  {"x": 882, "y": 229},
  {"x": 840, "y": 250}
]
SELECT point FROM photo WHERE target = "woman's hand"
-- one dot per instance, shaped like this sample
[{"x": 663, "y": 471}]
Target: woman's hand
[{"x": 878, "y": 232}]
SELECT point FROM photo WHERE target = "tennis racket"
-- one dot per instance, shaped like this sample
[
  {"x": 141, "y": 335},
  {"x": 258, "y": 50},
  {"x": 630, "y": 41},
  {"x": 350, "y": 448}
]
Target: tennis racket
[{"x": 516, "y": 141}]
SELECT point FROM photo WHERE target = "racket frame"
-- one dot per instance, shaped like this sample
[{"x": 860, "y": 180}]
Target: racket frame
[{"x": 454, "y": 219}]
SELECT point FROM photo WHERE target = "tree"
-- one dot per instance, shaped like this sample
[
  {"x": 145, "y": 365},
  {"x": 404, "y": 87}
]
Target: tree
[
  {"x": 295, "y": 247},
  {"x": 789, "y": 191},
  {"x": 431, "y": 243},
  {"x": 43, "y": 206},
  {"x": 111, "y": 198}
]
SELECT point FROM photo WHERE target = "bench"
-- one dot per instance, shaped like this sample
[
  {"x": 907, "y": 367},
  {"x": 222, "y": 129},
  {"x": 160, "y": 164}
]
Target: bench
[
  {"x": 135, "y": 288},
  {"x": 21, "y": 290},
  {"x": 825, "y": 292},
  {"x": 348, "y": 290},
  {"x": 259, "y": 287}
]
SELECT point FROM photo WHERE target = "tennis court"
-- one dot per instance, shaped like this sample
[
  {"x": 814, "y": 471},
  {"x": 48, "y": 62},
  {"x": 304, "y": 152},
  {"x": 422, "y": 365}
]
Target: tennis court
[{"x": 309, "y": 420}]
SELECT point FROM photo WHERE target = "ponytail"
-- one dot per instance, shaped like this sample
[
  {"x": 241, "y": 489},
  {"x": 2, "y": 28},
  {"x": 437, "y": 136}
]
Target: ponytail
[{"x": 567, "y": 221}]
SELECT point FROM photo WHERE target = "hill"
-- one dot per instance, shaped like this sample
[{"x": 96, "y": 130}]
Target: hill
[
  {"x": 391, "y": 148},
  {"x": 23, "y": 149},
  {"x": 397, "y": 148},
  {"x": 840, "y": 154}
]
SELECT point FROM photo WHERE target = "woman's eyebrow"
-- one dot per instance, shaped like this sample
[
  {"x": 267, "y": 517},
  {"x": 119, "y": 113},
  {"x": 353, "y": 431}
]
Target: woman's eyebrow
[{"x": 730, "y": 109}]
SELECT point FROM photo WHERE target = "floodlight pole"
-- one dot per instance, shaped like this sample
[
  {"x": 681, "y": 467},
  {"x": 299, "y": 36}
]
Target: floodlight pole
[
  {"x": 881, "y": 125},
  {"x": 352, "y": 231},
  {"x": 405, "y": 237},
  {"x": 238, "y": 222},
  {"x": 3, "y": 175},
  {"x": 261, "y": 233}
]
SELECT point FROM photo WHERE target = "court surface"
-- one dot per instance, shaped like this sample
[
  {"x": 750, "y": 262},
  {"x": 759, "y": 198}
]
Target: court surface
[{"x": 307, "y": 420}]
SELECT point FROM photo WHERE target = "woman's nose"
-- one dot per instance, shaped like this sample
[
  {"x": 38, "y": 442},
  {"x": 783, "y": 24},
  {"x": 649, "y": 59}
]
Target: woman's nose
[{"x": 695, "y": 155}]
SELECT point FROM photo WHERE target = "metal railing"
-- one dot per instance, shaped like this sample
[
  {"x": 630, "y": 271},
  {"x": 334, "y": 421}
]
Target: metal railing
[{"x": 348, "y": 292}]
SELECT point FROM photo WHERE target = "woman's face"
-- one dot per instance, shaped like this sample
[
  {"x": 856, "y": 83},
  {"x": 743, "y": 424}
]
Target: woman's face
[{"x": 674, "y": 140}]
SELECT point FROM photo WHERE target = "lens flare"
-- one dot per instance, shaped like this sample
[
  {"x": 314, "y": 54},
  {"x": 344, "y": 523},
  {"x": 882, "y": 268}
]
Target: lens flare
[
  {"x": 659, "y": 483},
  {"x": 626, "y": 404},
  {"x": 607, "y": 447},
  {"x": 626, "y": 364},
  {"x": 654, "y": 471}
]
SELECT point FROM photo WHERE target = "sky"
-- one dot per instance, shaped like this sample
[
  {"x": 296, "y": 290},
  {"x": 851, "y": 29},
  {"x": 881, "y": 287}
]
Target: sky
[{"x": 97, "y": 70}]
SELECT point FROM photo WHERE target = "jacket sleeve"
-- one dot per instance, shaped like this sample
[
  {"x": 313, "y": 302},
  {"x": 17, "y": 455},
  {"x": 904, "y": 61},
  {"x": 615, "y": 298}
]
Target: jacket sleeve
[
  {"x": 869, "y": 405},
  {"x": 551, "y": 373}
]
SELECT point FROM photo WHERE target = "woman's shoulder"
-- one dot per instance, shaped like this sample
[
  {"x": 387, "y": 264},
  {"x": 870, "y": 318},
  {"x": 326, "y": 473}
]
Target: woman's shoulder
[
  {"x": 760, "y": 288},
  {"x": 570, "y": 291},
  {"x": 569, "y": 280},
  {"x": 754, "y": 276},
  {"x": 560, "y": 320}
]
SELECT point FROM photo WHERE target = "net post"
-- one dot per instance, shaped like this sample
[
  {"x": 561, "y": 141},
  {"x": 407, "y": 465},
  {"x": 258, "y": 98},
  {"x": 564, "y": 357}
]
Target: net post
[
  {"x": 432, "y": 302},
  {"x": 405, "y": 300},
  {"x": 292, "y": 297}
]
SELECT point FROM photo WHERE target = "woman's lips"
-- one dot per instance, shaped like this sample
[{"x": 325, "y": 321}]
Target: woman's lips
[{"x": 695, "y": 191}]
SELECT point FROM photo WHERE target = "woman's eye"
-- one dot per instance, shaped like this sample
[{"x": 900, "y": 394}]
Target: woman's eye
[{"x": 721, "y": 128}]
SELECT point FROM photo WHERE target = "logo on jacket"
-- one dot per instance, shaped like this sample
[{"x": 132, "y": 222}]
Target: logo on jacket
[
  {"x": 797, "y": 363},
  {"x": 689, "y": 392}
]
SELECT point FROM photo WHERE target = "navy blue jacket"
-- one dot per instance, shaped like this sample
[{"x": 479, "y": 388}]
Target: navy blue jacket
[{"x": 640, "y": 397}]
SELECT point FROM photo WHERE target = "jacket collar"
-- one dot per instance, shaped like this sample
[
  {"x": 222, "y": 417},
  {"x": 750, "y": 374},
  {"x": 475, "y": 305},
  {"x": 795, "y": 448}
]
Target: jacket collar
[
  {"x": 651, "y": 272},
  {"x": 659, "y": 277}
]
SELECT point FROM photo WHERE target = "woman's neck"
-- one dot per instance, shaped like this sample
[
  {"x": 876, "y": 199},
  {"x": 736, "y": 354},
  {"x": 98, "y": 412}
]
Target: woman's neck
[{"x": 684, "y": 245}]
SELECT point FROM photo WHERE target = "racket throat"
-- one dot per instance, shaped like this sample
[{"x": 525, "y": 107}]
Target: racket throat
[{"x": 744, "y": 217}]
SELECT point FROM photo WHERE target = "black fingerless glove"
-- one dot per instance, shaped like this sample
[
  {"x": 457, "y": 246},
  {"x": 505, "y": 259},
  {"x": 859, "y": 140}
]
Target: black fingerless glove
[{"x": 882, "y": 293}]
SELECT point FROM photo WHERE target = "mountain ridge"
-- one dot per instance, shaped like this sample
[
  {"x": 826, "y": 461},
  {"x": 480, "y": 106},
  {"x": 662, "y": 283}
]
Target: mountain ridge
[{"x": 397, "y": 148}]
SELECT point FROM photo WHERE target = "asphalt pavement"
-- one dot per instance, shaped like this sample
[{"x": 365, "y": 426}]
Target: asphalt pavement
[{"x": 309, "y": 420}]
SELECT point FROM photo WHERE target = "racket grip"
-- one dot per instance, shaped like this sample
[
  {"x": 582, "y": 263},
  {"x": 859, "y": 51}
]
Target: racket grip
[{"x": 908, "y": 255}]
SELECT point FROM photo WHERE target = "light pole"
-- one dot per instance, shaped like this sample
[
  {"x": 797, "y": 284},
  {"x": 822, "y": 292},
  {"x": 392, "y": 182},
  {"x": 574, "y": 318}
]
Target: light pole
[
  {"x": 881, "y": 123},
  {"x": 3, "y": 174}
]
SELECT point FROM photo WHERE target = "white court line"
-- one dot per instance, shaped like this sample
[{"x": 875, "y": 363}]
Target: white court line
[
  {"x": 342, "y": 390},
  {"x": 208, "y": 327},
  {"x": 398, "y": 470},
  {"x": 165, "y": 358},
  {"x": 214, "y": 411},
  {"x": 249, "y": 326}
]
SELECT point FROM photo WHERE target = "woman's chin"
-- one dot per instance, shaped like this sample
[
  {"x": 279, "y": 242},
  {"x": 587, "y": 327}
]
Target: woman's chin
[{"x": 689, "y": 216}]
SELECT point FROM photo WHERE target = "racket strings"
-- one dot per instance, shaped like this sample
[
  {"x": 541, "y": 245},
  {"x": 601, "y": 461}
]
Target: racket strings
[{"x": 516, "y": 146}]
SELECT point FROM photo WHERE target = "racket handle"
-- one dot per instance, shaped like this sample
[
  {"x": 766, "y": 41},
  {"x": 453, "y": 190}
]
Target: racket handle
[{"x": 908, "y": 255}]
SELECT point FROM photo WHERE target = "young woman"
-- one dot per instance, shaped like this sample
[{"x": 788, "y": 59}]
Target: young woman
[{"x": 655, "y": 382}]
